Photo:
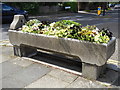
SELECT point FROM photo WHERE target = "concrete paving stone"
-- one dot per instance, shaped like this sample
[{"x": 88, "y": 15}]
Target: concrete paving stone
[
  {"x": 62, "y": 75},
  {"x": 9, "y": 82},
  {"x": 84, "y": 83},
  {"x": 48, "y": 82},
  {"x": 9, "y": 68},
  {"x": 0, "y": 84},
  {"x": 6, "y": 54},
  {"x": 7, "y": 50},
  {"x": 0, "y": 71},
  {"x": 31, "y": 73},
  {"x": 21, "y": 62},
  {"x": 6, "y": 58}
]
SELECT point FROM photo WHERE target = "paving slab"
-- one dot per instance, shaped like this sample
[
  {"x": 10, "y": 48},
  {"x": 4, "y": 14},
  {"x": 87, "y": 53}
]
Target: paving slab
[
  {"x": 62, "y": 75},
  {"x": 0, "y": 84},
  {"x": 21, "y": 62},
  {"x": 30, "y": 73},
  {"x": 9, "y": 82},
  {"x": 84, "y": 83},
  {"x": 48, "y": 82},
  {"x": 6, "y": 53},
  {"x": 9, "y": 68}
]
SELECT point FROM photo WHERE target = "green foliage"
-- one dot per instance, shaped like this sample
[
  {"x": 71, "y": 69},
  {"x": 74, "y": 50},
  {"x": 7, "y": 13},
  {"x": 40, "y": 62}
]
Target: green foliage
[
  {"x": 32, "y": 22},
  {"x": 68, "y": 29},
  {"x": 63, "y": 28},
  {"x": 73, "y": 6},
  {"x": 114, "y": 2},
  {"x": 31, "y": 7},
  {"x": 64, "y": 23}
]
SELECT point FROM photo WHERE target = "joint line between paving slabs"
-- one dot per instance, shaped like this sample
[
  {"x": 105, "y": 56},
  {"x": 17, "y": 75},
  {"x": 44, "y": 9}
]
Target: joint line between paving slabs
[
  {"x": 37, "y": 79},
  {"x": 72, "y": 82}
]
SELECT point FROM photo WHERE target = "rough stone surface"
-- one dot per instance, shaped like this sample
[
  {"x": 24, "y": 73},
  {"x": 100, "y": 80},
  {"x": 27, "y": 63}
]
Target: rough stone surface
[
  {"x": 88, "y": 52},
  {"x": 18, "y": 21},
  {"x": 48, "y": 82},
  {"x": 62, "y": 75},
  {"x": 84, "y": 83},
  {"x": 31, "y": 73},
  {"x": 92, "y": 71}
]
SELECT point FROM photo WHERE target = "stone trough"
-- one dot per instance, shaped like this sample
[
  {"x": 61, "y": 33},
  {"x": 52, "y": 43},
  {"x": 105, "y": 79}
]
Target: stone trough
[{"x": 93, "y": 56}]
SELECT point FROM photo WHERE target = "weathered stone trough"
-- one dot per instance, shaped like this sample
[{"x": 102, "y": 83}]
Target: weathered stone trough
[{"x": 93, "y": 56}]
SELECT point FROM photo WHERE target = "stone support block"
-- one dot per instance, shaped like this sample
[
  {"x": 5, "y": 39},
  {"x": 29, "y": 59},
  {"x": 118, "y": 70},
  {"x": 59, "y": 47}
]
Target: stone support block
[
  {"x": 24, "y": 51},
  {"x": 92, "y": 71}
]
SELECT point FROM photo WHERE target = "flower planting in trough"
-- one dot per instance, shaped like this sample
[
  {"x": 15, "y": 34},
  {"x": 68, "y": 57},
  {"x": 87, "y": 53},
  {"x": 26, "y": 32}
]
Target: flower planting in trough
[{"x": 93, "y": 46}]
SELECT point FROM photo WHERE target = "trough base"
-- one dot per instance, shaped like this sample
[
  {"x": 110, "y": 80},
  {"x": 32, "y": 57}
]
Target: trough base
[
  {"x": 24, "y": 51},
  {"x": 92, "y": 71},
  {"x": 88, "y": 70}
]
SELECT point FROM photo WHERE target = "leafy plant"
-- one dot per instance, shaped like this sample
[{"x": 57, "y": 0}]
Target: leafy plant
[{"x": 68, "y": 29}]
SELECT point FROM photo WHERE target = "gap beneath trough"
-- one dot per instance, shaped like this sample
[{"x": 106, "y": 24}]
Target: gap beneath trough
[{"x": 60, "y": 60}]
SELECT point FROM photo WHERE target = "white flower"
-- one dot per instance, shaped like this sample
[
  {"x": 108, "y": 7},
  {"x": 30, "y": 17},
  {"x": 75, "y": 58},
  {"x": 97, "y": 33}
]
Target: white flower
[
  {"x": 72, "y": 25},
  {"x": 96, "y": 38},
  {"x": 25, "y": 27},
  {"x": 35, "y": 27},
  {"x": 95, "y": 31},
  {"x": 52, "y": 24},
  {"x": 97, "y": 28}
]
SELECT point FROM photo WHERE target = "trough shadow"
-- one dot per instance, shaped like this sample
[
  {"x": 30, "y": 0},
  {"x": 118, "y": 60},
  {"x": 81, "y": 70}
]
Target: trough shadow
[
  {"x": 110, "y": 77},
  {"x": 117, "y": 82},
  {"x": 60, "y": 60}
]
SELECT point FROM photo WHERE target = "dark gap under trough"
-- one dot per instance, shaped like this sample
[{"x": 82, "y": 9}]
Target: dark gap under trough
[{"x": 61, "y": 60}]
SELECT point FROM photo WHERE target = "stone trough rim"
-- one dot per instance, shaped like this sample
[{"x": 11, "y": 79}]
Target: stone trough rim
[{"x": 69, "y": 39}]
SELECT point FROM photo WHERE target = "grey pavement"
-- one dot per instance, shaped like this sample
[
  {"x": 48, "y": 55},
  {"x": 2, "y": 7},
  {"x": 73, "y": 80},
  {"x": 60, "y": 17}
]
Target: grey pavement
[
  {"x": 4, "y": 32},
  {"x": 19, "y": 72}
]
